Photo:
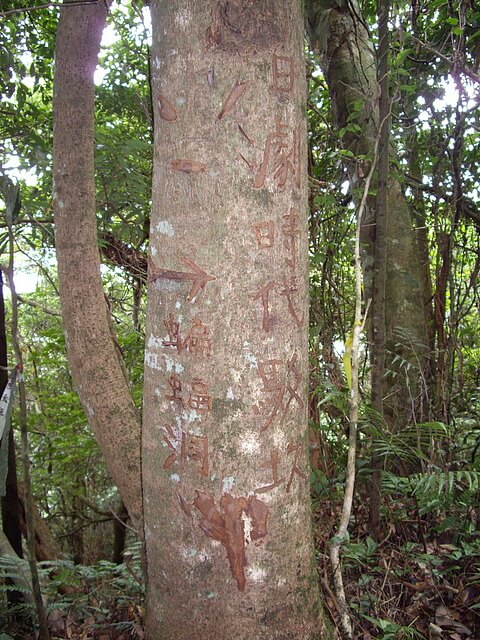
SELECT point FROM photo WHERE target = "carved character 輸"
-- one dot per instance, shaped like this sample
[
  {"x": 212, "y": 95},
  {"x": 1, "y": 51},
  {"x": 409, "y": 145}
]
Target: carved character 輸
[{"x": 197, "y": 341}]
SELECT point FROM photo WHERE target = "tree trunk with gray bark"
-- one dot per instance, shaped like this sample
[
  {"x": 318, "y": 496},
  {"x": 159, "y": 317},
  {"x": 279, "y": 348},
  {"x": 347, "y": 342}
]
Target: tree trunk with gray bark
[
  {"x": 340, "y": 36},
  {"x": 225, "y": 470},
  {"x": 93, "y": 353}
]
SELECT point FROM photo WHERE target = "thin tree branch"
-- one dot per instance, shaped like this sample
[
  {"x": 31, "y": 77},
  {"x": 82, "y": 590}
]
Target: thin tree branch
[
  {"x": 28, "y": 500},
  {"x": 358, "y": 327},
  {"x": 47, "y": 5},
  {"x": 450, "y": 63}
]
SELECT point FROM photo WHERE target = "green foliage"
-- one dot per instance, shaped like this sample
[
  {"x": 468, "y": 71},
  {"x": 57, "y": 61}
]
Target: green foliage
[
  {"x": 98, "y": 598},
  {"x": 391, "y": 631},
  {"x": 432, "y": 467}
]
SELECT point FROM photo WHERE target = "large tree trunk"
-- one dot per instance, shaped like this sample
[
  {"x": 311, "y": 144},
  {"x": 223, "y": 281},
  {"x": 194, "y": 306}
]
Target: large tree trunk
[
  {"x": 225, "y": 474},
  {"x": 348, "y": 61},
  {"x": 93, "y": 355}
]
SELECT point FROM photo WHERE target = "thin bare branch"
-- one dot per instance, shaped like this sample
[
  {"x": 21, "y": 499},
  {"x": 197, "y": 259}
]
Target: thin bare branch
[{"x": 47, "y": 5}]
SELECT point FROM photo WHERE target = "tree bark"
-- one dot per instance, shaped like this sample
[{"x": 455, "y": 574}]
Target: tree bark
[
  {"x": 96, "y": 367},
  {"x": 225, "y": 475},
  {"x": 339, "y": 34},
  {"x": 381, "y": 226},
  {"x": 46, "y": 547}
]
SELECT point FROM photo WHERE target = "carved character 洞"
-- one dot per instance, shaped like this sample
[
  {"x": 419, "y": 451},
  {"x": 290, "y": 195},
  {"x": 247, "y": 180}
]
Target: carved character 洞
[{"x": 185, "y": 447}]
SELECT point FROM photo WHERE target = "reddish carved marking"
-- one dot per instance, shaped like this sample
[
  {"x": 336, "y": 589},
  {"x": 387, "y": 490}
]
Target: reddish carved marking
[
  {"x": 236, "y": 93},
  {"x": 167, "y": 110},
  {"x": 175, "y": 385},
  {"x": 264, "y": 234},
  {"x": 258, "y": 512},
  {"x": 197, "y": 341},
  {"x": 290, "y": 234},
  {"x": 285, "y": 159},
  {"x": 184, "y": 506},
  {"x": 283, "y": 74},
  {"x": 289, "y": 288},
  {"x": 186, "y": 447},
  {"x": 199, "y": 398},
  {"x": 198, "y": 277},
  {"x": 264, "y": 295},
  {"x": 188, "y": 166},
  {"x": 271, "y": 463},
  {"x": 286, "y": 290},
  {"x": 247, "y": 138},
  {"x": 225, "y": 524},
  {"x": 268, "y": 370},
  {"x": 296, "y": 449},
  {"x": 173, "y": 329},
  {"x": 249, "y": 164},
  {"x": 283, "y": 387}
]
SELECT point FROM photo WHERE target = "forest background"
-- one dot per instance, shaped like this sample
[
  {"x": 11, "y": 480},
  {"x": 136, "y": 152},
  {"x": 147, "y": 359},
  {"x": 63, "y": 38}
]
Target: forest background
[{"x": 410, "y": 560}]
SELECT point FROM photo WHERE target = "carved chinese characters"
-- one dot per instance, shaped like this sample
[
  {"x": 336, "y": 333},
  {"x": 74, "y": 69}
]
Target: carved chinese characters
[
  {"x": 197, "y": 398},
  {"x": 282, "y": 69},
  {"x": 186, "y": 447},
  {"x": 293, "y": 452},
  {"x": 208, "y": 405},
  {"x": 281, "y": 156},
  {"x": 286, "y": 289},
  {"x": 264, "y": 234},
  {"x": 197, "y": 340},
  {"x": 281, "y": 383}
]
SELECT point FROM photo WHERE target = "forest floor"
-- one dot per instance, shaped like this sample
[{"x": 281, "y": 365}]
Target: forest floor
[
  {"x": 415, "y": 583},
  {"x": 418, "y": 581}
]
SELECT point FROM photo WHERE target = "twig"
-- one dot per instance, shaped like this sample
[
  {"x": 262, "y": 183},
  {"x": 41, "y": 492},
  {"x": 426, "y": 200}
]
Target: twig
[
  {"x": 450, "y": 63},
  {"x": 28, "y": 503},
  {"x": 358, "y": 326},
  {"x": 47, "y": 5}
]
